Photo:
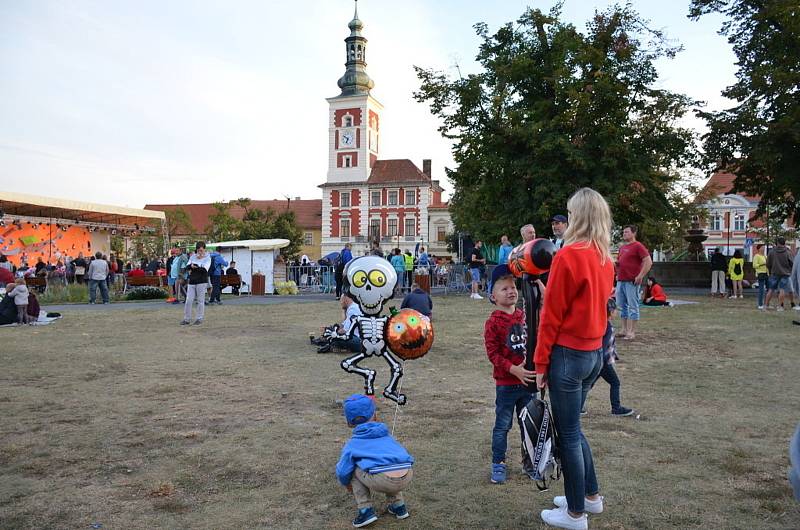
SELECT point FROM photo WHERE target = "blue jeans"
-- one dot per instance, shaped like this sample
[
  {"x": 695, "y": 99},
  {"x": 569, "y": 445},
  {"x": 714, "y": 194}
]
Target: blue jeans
[
  {"x": 353, "y": 344},
  {"x": 762, "y": 287},
  {"x": 509, "y": 401},
  {"x": 628, "y": 300},
  {"x": 215, "y": 289},
  {"x": 93, "y": 284},
  {"x": 570, "y": 377},
  {"x": 609, "y": 375},
  {"x": 778, "y": 283}
]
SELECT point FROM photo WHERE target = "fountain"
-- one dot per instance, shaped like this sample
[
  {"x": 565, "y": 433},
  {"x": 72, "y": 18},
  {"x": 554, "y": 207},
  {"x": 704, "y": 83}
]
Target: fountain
[{"x": 695, "y": 237}]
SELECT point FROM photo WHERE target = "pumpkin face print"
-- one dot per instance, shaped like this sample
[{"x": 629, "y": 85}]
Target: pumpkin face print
[{"x": 409, "y": 334}]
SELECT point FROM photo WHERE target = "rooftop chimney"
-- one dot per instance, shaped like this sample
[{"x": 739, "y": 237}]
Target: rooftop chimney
[{"x": 426, "y": 166}]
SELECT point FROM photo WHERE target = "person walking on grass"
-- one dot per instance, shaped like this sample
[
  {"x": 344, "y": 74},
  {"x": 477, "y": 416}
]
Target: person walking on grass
[
  {"x": 762, "y": 275},
  {"x": 719, "y": 266},
  {"x": 736, "y": 272},
  {"x": 608, "y": 373},
  {"x": 779, "y": 264},
  {"x": 198, "y": 266},
  {"x": 569, "y": 349},
  {"x": 399, "y": 264},
  {"x": 633, "y": 264},
  {"x": 215, "y": 272},
  {"x": 476, "y": 261},
  {"x": 98, "y": 274}
]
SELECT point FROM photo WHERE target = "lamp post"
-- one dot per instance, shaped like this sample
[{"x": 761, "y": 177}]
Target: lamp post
[{"x": 728, "y": 224}]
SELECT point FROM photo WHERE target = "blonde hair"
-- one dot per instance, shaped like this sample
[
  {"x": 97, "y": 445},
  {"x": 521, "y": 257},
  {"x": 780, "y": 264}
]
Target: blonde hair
[
  {"x": 19, "y": 281},
  {"x": 589, "y": 221}
]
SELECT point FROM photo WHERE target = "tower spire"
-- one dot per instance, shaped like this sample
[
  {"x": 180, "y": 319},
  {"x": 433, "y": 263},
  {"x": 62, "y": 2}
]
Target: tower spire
[{"x": 355, "y": 80}]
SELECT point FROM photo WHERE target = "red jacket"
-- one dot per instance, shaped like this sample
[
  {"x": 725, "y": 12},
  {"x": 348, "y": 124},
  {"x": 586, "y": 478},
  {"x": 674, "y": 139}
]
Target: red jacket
[
  {"x": 657, "y": 293},
  {"x": 574, "y": 313},
  {"x": 505, "y": 336}
]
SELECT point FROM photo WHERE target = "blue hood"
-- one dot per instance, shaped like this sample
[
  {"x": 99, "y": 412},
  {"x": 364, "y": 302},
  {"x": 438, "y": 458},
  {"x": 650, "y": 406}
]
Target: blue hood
[{"x": 373, "y": 450}]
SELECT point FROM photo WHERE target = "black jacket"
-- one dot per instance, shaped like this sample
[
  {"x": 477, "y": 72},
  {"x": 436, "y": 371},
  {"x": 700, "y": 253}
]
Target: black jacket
[{"x": 718, "y": 262}]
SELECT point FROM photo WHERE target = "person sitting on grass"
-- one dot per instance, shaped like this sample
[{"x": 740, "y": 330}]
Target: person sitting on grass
[
  {"x": 338, "y": 336},
  {"x": 8, "y": 309},
  {"x": 654, "y": 294},
  {"x": 608, "y": 373},
  {"x": 372, "y": 461},
  {"x": 418, "y": 300},
  {"x": 20, "y": 294},
  {"x": 505, "y": 338}
]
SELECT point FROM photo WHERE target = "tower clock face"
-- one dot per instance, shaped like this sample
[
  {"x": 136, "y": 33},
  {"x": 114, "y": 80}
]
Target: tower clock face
[{"x": 347, "y": 138}]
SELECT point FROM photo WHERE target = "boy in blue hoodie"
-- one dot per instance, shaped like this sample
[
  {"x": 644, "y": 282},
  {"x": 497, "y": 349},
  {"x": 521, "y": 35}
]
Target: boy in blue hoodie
[{"x": 372, "y": 461}]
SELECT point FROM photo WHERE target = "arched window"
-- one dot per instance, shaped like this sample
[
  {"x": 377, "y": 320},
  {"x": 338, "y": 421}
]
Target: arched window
[{"x": 347, "y": 121}]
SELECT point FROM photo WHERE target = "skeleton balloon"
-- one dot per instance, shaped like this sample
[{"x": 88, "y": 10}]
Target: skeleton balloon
[{"x": 370, "y": 282}]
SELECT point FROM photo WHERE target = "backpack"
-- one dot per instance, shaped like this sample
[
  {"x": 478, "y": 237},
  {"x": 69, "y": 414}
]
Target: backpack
[
  {"x": 737, "y": 269},
  {"x": 539, "y": 443}
]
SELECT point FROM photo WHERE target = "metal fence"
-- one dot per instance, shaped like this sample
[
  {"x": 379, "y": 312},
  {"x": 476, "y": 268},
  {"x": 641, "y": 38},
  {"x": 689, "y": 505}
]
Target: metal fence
[{"x": 312, "y": 278}]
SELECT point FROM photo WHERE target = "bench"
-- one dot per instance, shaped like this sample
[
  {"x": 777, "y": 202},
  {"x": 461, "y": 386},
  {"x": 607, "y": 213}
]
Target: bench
[
  {"x": 39, "y": 282},
  {"x": 230, "y": 280},
  {"x": 142, "y": 281}
]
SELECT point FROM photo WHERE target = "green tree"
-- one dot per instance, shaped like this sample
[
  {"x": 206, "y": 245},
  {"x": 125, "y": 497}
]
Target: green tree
[
  {"x": 178, "y": 221},
  {"x": 759, "y": 138},
  {"x": 222, "y": 225},
  {"x": 773, "y": 227},
  {"x": 553, "y": 110}
]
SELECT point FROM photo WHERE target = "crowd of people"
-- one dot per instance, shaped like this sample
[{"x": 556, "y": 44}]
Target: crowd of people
[{"x": 777, "y": 276}]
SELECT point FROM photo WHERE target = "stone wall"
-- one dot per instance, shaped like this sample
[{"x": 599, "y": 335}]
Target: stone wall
[{"x": 689, "y": 273}]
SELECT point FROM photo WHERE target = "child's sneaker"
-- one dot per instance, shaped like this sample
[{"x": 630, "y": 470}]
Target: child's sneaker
[
  {"x": 560, "y": 518},
  {"x": 595, "y": 506},
  {"x": 621, "y": 411},
  {"x": 498, "y": 473},
  {"x": 365, "y": 516},
  {"x": 398, "y": 511}
]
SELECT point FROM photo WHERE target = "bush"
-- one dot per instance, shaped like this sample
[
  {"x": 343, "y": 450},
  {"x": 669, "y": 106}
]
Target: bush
[
  {"x": 58, "y": 293},
  {"x": 285, "y": 288},
  {"x": 146, "y": 293}
]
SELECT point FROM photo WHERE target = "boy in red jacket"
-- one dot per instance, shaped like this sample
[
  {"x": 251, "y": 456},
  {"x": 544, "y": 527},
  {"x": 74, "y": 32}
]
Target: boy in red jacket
[{"x": 505, "y": 337}]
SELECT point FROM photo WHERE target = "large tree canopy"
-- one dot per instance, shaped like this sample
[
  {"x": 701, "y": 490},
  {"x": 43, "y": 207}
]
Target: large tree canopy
[
  {"x": 554, "y": 109},
  {"x": 759, "y": 138}
]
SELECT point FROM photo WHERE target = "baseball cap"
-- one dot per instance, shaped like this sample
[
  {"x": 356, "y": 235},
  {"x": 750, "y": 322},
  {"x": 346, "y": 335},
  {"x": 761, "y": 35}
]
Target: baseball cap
[
  {"x": 558, "y": 219},
  {"x": 358, "y": 409},
  {"x": 498, "y": 272}
]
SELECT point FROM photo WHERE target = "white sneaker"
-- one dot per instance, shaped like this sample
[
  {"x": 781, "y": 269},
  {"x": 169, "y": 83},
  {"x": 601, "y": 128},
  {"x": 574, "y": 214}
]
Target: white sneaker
[
  {"x": 741, "y": 296},
  {"x": 588, "y": 506},
  {"x": 560, "y": 518},
  {"x": 797, "y": 308},
  {"x": 779, "y": 308},
  {"x": 472, "y": 296},
  {"x": 477, "y": 296},
  {"x": 761, "y": 307}
]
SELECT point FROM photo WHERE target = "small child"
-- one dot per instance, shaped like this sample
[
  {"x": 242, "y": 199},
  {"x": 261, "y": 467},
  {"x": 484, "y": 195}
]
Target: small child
[
  {"x": 372, "y": 461},
  {"x": 608, "y": 373},
  {"x": 20, "y": 294},
  {"x": 505, "y": 337}
]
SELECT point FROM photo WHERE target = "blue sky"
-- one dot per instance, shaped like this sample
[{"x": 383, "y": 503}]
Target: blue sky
[{"x": 130, "y": 103}]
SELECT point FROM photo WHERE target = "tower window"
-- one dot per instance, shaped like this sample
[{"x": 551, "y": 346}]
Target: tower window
[
  {"x": 344, "y": 201},
  {"x": 347, "y": 121},
  {"x": 348, "y": 161}
]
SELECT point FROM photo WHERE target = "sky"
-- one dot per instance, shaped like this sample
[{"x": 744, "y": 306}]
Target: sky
[{"x": 186, "y": 101}]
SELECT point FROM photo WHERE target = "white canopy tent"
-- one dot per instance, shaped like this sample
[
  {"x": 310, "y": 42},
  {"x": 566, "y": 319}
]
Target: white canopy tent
[{"x": 251, "y": 256}]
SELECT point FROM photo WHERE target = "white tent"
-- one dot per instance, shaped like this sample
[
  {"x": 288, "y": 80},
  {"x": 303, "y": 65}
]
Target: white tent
[{"x": 252, "y": 255}]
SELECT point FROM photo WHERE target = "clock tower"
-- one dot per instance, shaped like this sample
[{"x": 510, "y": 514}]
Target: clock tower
[{"x": 354, "y": 115}]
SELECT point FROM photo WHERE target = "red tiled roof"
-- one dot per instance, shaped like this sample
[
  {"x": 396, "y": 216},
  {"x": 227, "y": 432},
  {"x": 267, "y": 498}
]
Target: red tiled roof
[
  {"x": 388, "y": 171},
  {"x": 721, "y": 183},
  {"x": 307, "y": 211}
]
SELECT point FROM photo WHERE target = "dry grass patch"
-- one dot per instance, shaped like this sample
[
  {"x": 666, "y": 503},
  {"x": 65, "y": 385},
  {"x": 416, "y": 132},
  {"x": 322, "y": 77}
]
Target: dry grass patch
[{"x": 127, "y": 419}]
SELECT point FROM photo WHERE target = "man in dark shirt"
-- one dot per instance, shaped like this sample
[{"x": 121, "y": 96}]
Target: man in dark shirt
[
  {"x": 231, "y": 271},
  {"x": 419, "y": 300},
  {"x": 718, "y": 267},
  {"x": 475, "y": 263}
]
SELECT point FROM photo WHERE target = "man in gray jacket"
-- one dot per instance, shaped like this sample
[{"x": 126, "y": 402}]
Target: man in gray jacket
[
  {"x": 97, "y": 274},
  {"x": 779, "y": 265}
]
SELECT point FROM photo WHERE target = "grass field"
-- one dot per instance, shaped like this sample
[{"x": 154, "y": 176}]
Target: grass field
[{"x": 123, "y": 418}]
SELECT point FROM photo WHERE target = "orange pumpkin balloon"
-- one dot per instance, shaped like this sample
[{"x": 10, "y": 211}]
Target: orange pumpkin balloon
[
  {"x": 409, "y": 334},
  {"x": 533, "y": 257}
]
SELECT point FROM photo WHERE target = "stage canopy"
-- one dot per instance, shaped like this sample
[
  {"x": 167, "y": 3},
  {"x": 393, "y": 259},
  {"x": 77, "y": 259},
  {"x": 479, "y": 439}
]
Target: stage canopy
[{"x": 49, "y": 210}]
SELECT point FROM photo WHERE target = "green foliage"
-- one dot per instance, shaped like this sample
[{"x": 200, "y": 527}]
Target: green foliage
[
  {"x": 759, "y": 138},
  {"x": 178, "y": 222},
  {"x": 147, "y": 244},
  {"x": 554, "y": 110},
  {"x": 222, "y": 225},
  {"x": 58, "y": 293},
  {"x": 773, "y": 228},
  {"x": 146, "y": 293}
]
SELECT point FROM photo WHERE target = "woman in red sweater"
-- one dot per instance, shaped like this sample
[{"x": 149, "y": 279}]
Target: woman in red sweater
[
  {"x": 569, "y": 352},
  {"x": 654, "y": 294}
]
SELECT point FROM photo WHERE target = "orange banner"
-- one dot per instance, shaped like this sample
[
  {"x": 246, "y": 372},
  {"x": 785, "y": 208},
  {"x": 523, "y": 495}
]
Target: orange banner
[{"x": 51, "y": 243}]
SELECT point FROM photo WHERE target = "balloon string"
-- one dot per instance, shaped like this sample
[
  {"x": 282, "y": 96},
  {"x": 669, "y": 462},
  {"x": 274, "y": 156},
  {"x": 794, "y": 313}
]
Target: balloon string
[{"x": 396, "y": 404}]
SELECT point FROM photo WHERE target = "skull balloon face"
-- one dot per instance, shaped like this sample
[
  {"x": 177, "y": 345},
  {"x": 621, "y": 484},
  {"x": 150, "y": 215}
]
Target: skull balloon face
[{"x": 370, "y": 280}]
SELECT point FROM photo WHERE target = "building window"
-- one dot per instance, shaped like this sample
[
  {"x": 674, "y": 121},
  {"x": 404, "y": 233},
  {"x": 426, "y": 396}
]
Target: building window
[
  {"x": 375, "y": 198},
  {"x": 348, "y": 161},
  {"x": 344, "y": 227},
  {"x": 344, "y": 202},
  {"x": 739, "y": 223},
  {"x": 716, "y": 222},
  {"x": 392, "y": 227},
  {"x": 347, "y": 121},
  {"x": 308, "y": 238},
  {"x": 392, "y": 197},
  {"x": 411, "y": 196},
  {"x": 410, "y": 228},
  {"x": 374, "y": 229},
  {"x": 441, "y": 234}
]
